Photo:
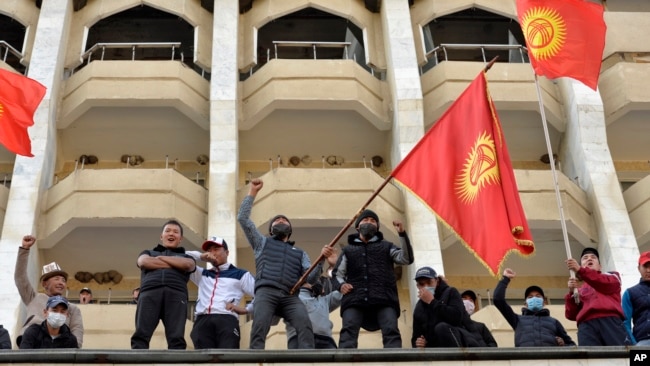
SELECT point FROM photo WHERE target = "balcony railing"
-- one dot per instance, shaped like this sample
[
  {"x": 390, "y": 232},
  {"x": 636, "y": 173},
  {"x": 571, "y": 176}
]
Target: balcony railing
[
  {"x": 12, "y": 57},
  {"x": 442, "y": 51},
  {"x": 289, "y": 50},
  {"x": 137, "y": 51}
]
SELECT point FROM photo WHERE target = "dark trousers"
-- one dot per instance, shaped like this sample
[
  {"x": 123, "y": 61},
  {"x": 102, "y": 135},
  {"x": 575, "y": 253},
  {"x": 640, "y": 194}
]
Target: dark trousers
[
  {"x": 608, "y": 331},
  {"x": 157, "y": 304},
  {"x": 215, "y": 331},
  {"x": 352, "y": 319},
  {"x": 320, "y": 342},
  {"x": 271, "y": 301}
]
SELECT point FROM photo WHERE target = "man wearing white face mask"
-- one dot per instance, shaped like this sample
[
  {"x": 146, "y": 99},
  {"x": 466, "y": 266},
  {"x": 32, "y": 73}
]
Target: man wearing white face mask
[
  {"x": 469, "y": 300},
  {"x": 439, "y": 317},
  {"x": 52, "y": 332},
  {"x": 535, "y": 327}
]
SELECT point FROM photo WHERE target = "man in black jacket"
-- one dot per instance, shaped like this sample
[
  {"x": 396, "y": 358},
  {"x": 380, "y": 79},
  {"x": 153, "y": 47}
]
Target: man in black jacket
[
  {"x": 535, "y": 327},
  {"x": 439, "y": 317},
  {"x": 52, "y": 332},
  {"x": 364, "y": 274}
]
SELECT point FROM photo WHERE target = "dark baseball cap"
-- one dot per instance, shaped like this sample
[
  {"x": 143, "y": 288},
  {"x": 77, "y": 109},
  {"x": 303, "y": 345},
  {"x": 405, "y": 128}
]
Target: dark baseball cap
[
  {"x": 533, "y": 288},
  {"x": 425, "y": 272},
  {"x": 53, "y": 301}
]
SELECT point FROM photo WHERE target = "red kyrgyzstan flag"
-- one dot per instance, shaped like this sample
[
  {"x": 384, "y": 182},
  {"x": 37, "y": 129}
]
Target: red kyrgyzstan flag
[
  {"x": 461, "y": 169},
  {"x": 19, "y": 98},
  {"x": 564, "y": 38}
]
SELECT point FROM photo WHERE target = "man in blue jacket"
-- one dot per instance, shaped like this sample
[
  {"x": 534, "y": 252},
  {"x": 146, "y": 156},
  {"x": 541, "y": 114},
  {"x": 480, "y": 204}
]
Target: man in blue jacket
[{"x": 636, "y": 305}]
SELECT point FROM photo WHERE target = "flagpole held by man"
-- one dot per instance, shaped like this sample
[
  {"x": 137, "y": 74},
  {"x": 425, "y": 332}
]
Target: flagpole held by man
[{"x": 565, "y": 38}]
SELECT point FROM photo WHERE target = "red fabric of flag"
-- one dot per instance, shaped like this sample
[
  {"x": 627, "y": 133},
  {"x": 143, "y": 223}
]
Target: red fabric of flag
[
  {"x": 461, "y": 169},
  {"x": 19, "y": 98},
  {"x": 564, "y": 38}
]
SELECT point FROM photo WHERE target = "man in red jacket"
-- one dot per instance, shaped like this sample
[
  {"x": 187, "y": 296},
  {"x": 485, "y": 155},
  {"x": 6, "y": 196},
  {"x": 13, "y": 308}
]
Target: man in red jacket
[{"x": 599, "y": 314}]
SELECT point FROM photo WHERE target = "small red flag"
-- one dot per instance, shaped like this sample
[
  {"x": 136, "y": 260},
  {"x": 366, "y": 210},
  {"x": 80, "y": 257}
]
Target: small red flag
[
  {"x": 461, "y": 169},
  {"x": 564, "y": 38},
  {"x": 19, "y": 98}
]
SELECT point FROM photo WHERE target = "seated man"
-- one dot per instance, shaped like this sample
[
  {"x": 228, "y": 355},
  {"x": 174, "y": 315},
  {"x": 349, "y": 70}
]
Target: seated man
[
  {"x": 439, "y": 316},
  {"x": 535, "y": 327},
  {"x": 469, "y": 300},
  {"x": 52, "y": 332}
]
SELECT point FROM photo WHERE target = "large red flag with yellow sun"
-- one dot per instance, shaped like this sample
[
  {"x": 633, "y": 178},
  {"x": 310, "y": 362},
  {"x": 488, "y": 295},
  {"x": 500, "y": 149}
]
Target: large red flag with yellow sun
[
  {"x": 461, "y": 169},
  {"x": 564, "y": 38}
]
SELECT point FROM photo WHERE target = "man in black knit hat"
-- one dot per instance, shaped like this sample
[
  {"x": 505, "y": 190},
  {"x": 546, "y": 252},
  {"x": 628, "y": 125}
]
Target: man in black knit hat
[{"x": 364, "y": 274}]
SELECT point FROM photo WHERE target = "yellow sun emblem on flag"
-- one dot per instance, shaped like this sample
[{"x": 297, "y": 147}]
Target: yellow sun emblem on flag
[
  {"x": 545, "y": 32},
  {"x": 480, "y": 169},
  {"x": 2, "y": 109}
]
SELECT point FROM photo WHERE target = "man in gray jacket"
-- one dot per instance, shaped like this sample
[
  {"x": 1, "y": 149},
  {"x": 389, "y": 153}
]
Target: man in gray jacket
[{"x": 54, "y": 281}]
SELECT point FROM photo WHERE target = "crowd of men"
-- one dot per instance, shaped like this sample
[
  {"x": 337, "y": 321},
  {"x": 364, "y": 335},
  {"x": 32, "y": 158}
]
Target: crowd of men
[{"x": 362, "y": 284}]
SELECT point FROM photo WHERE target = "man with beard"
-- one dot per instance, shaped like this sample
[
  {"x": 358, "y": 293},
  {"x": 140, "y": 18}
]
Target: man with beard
[
  {"x": 279, "y": 265},
  {"x": 165, "y": 271},
  {"x": 364, "y": 274},
  {"x": 54, "y": 280},
  {"x": 599, "y": 314}
]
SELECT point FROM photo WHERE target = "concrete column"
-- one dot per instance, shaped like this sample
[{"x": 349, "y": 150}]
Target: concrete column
[
  {"x": 589, "y": 159},
  {"x": 224, "y": 149},
  {"x": 408, "y": 128},
  {"x": 33, "y": 176}
]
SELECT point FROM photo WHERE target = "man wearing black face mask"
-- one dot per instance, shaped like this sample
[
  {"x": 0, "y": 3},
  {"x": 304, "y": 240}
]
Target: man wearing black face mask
[
  {"x": 364, "y": 274},
  {"x": 279, "y": 265}
]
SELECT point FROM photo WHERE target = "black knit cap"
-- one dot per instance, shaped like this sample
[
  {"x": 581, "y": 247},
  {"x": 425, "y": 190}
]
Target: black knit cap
[
  {"x": 277, "y": 217},
  {"x": 364, "y": 214}
]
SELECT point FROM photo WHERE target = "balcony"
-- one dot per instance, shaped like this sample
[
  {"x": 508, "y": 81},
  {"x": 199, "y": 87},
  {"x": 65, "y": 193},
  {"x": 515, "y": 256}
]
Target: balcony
[
  {"x": 313, "y": 85},
  {"x": 134, "y": 80},
  {"x": 512, "y": 83}
]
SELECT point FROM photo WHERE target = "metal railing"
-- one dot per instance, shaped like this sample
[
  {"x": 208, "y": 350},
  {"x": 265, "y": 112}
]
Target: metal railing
[
  {"x": 445, "y": 47},
  {"x": 12, "y": 56},
  {"x": 98, "y": 52},
  {"x": 314, "y": 46}
]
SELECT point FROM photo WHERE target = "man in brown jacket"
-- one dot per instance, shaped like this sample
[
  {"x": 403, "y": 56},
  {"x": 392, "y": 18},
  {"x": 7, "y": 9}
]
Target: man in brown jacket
[{"x": 54, "y": 281}]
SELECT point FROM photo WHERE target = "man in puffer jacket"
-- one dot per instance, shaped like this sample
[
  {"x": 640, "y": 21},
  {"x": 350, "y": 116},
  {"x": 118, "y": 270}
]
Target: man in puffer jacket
[{"x": 535, "y": 327}]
